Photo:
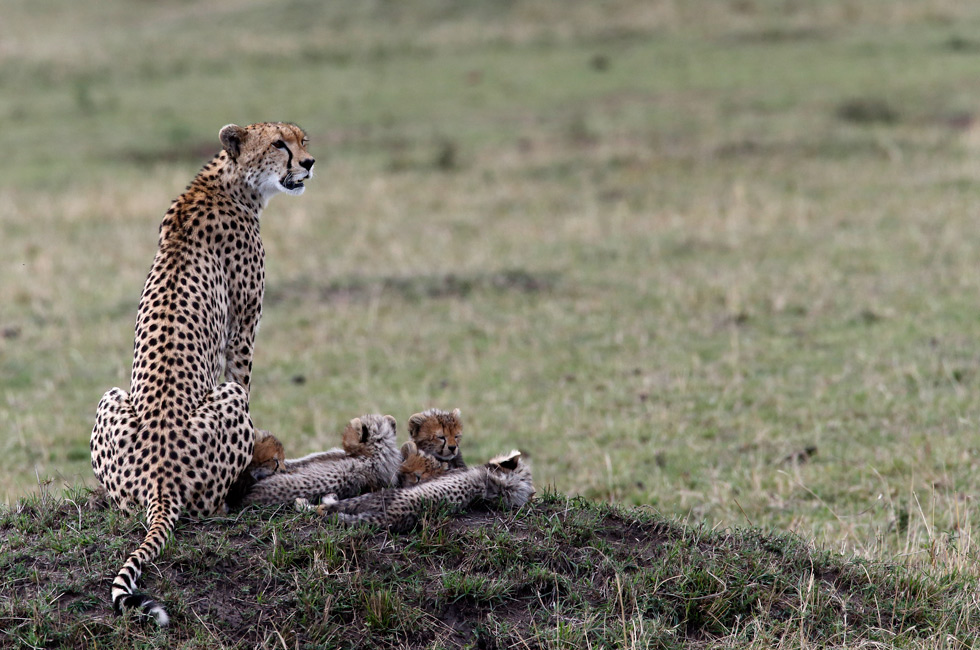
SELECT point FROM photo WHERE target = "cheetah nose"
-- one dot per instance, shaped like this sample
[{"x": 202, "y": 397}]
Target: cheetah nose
[
  {"x": 452, "y": 448},
  {"x": 307, "y": 164}
]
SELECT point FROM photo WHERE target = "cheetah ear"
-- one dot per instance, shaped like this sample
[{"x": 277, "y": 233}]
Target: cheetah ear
[
  {"x": 232, "y": 137},
  {"x": 409, "y": 449},
  {"x": 415, "y": 423},
  {"x": 392, "y": 421},
  {"x": 365, "y": 433},
  {"x": 353, "y": 427},
  {"x": 456, "y": 413},
  {"x": 508, "y": 461}
]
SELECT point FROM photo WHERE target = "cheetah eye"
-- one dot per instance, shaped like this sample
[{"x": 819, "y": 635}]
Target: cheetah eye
[
  {"x": 279, "y": 144},
  {"x": 305, "y": 142}
]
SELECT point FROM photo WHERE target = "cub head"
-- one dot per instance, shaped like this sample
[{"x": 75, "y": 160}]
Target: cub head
[
  {"x": 437, "y": 433},
  {"x": 369, "y": 434},
  {"x": 418, "y": 466},
  {"x": 268, "y": 457},
  {"x": 270, "y": 156},
  {"x": 509, "y": 480}
]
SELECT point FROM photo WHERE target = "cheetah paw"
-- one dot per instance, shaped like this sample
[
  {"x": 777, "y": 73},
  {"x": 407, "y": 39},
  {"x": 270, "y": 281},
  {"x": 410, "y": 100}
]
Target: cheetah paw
[{"x": 302, "y": 505}]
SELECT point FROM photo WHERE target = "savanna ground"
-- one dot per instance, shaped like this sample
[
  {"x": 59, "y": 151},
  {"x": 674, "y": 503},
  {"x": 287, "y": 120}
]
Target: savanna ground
[{"x": 713, "y": 257}]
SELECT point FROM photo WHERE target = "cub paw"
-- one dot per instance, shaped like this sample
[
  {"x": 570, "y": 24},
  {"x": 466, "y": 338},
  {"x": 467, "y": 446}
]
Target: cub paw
[{"x": 303, "y": 505}]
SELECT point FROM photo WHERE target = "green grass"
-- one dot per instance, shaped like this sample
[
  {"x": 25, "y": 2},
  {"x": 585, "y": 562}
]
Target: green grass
[
  {"x": 559, "y": 573},
  {"x": 717, "y": 258}
]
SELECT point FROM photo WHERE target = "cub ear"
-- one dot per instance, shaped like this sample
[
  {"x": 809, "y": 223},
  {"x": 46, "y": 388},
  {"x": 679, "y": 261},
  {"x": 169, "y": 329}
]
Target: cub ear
[
  {"x": 353, "y": 428},
  {"x": 456, "y": 413},
  {"x": 409, "y": 449},
  {"x": 232, "y": 137},
  {"x": 392, "y": 421},
  {"x": 415, "y": 423},
  {"x": 508, "y": 462},
  {"x": 365, "y": 433}
]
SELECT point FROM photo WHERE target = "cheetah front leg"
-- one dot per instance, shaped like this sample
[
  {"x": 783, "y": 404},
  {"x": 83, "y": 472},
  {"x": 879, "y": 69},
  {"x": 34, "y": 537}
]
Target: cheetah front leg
[
  {"x": 238, "y": 361},
  {"x": 240, "y": 347},
  {"x": 220, "y": 446}
]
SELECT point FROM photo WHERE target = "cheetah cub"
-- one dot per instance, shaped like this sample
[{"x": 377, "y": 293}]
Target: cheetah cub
[
  {"x": 268, "y": 458},
  {"x": 370, "y": 462},
  {"x": 418, "y": 466},
  {"x": 438, "y": 433},
  {"x": 505, "y": 480},
  {"x": 269, "y": 455}
]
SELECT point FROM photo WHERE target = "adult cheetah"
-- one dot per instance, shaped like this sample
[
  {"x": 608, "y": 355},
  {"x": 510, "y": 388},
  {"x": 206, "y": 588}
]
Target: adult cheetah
[{"x": 179, "y": 438}]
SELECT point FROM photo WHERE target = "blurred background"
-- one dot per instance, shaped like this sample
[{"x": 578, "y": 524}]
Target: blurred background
[{"x": 713, "y": 257}]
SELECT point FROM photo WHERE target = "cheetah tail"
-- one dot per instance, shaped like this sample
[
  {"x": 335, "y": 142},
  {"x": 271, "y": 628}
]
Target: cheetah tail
[{"x": 161, "y": 519}]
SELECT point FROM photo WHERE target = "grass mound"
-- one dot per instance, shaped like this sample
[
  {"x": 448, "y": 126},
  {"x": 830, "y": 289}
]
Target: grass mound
[{"x": 559, "y": 573}]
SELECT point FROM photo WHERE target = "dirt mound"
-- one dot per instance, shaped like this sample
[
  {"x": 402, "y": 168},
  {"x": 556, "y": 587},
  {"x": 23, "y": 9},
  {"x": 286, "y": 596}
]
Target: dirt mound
[{"x": 559, "y": 572}]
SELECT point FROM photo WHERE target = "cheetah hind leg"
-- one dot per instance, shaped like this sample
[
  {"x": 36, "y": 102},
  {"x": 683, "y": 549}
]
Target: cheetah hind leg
[
  {"x": 221, "y": 432},
  {"x": 115, "y": 444}
]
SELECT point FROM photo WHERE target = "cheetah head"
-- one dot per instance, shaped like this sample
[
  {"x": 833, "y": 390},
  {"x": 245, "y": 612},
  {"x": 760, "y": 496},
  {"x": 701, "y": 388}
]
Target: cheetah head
[
  {"x": 271, "y": 156},
  {"x": 268, "y": 457},
  {"x": 509, "y": 480},
  {"x": 418, "y": 466},
  {"x": 437, "y": 432}
]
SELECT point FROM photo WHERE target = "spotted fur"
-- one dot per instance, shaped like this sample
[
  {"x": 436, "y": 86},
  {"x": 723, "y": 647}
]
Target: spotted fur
[
  {"x": 504, "y": 481},
  {"x": 335, "y": 453},
  {"x": 268, "y": 458},
  {"x": 418, "y": 466},
  {"x": 438, "y": 433},
  {"x": 179, "y": 438},
  {"x": 370, "y": 462}
]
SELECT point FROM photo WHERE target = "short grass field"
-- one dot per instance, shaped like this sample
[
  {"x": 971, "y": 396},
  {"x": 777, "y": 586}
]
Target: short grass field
[{"x": 717, "y": 259}]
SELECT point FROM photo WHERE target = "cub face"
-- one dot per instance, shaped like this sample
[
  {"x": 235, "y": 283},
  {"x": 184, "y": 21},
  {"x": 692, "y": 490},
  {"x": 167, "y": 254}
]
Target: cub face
[
  {"x": 268, "y": 457},
  {"x": 418, "y": 466},
  {"x": 437, "y": 433},
  {"x": 272, "y": 155}
]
